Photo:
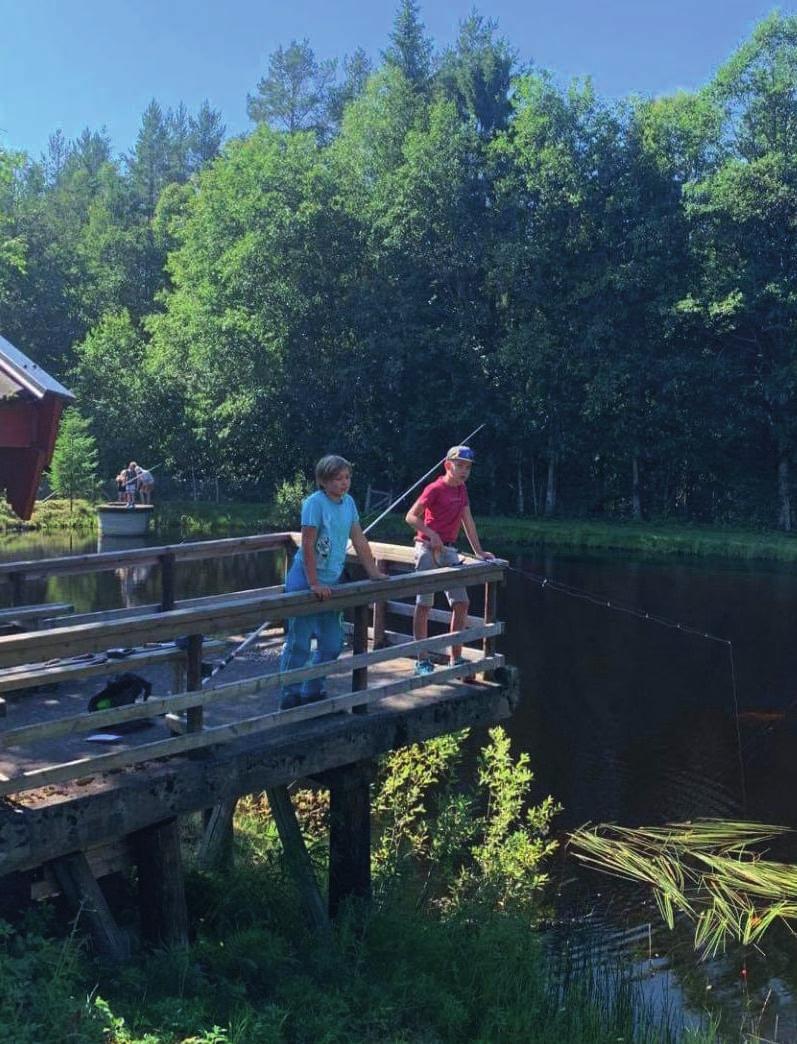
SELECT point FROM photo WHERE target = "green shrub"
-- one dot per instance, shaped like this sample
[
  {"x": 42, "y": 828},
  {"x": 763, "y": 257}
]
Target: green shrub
[{"x": 287, "y": 508}]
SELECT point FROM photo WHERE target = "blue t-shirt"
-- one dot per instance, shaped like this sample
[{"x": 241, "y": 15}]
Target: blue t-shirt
[{"x": 333, "y": 521}]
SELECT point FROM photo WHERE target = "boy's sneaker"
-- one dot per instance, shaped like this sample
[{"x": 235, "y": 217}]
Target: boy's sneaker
[
  {"x": 424, "y": 667},
  {"x": 460, "y": 662}
]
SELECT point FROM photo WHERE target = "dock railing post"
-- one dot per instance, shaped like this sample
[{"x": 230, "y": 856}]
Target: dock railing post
[
  {"x": 380, "y": 612},
  {"x": 167, "y": 581},
  {"x": 193, "y": 681},
  {"x": 17, "y": 588},
  {"x": 359, "y": 676},
  {"x": 490, "y": 614}
]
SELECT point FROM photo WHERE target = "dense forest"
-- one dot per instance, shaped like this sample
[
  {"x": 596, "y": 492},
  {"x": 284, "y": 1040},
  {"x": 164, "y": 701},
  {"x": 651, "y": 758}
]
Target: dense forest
[{"x": 403, "y": 249}]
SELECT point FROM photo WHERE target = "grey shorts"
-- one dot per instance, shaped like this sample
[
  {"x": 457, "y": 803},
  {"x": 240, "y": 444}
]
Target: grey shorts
[{"x": 446, "y": 556}]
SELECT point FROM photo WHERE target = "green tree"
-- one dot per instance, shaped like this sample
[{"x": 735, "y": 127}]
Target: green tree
[
  {"x": 743, "y": 216},
  {"x": 73, "y": 470},
  {"x": 477, "y": 74},
  {"x": 410, "y": 50},
  {"x": 294, "y": 95}
]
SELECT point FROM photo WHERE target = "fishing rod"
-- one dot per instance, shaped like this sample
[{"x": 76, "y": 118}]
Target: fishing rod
[
  {"x": 415, "y": 485},
  {"x": 247, "y": 642}
]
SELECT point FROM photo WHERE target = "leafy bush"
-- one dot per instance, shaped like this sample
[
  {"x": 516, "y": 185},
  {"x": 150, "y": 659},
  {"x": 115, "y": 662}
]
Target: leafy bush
[{"x": 287, "y": 507}]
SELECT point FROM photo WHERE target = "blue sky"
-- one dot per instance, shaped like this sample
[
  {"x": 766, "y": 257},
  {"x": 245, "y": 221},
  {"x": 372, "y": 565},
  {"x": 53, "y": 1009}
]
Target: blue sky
[{"x": 78, "y": 63}]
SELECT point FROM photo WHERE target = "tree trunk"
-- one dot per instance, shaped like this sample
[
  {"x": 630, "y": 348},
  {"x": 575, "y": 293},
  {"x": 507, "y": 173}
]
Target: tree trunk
[
  {"x": 534, "y": 498},
  {"x": 521, "y": 500},
  {"x": 550, "y": 489},
  {"x": 784, "y": 494},
  {"x": 636, "y": 502}
]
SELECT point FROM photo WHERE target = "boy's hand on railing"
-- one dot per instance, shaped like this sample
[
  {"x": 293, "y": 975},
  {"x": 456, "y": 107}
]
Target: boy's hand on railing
[
  {"x": 321, "y": 591},
  {"x": 486, "y": 556},
  {"x": 377, "y": 574}
]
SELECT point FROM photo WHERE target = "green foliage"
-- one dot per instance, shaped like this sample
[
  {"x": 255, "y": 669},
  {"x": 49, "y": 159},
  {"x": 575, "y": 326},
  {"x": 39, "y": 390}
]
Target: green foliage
[
  {"x": 475, "y": 853},
  {"x": 288, "y": 497},
  {"x": 434, "y": 242},
  {"x": 294, "y": 96},
  {"x": 73, "y": 469}
]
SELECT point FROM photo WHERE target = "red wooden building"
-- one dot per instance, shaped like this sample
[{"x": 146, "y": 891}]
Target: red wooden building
[{"x": 31, "y": 402}]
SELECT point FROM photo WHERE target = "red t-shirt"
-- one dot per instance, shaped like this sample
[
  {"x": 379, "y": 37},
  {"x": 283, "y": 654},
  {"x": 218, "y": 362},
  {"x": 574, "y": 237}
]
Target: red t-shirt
[{"x": 443, "y": 507}]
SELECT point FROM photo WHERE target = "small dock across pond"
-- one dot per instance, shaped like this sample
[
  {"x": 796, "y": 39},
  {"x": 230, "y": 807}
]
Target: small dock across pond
[{"x": 72, "y": 810}]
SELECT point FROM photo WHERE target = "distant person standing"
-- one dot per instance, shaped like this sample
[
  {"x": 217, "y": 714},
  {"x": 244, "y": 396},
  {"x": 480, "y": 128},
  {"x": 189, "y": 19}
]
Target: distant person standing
[
  {"x": 131, "y": 483},
  {"x": 120, "y": 486},
  {"x": 145, "y": 484}
]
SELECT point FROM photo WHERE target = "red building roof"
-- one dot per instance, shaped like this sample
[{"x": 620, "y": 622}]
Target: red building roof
[{"x": 31, "y": 402}]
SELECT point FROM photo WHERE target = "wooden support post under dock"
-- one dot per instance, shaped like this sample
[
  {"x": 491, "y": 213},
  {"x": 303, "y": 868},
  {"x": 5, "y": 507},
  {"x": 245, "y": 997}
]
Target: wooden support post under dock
[
  {"x": 161, "y": 889},
  {"x": 77, "y": 882},
  {"x": 215, "y": 848},
  {"x": 349, "y": 833},
  {"x": 297, "y": 856}
]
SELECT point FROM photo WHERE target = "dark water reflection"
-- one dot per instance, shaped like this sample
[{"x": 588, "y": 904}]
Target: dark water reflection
[
  {"x": 625, "y": 721},
  {"x": 632, "y": 722}
]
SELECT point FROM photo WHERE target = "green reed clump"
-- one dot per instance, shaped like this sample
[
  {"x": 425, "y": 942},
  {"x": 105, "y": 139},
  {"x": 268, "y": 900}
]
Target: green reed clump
[{"x": 706, "y": 870}]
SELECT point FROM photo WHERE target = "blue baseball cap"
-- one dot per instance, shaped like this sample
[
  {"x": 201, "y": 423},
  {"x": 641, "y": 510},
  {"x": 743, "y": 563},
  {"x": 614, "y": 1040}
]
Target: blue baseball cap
[{"x": 461, "y": 453}]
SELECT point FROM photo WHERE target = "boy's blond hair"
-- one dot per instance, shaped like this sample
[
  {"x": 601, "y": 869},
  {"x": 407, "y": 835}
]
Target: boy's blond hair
[{"x": 328, "y": 467}]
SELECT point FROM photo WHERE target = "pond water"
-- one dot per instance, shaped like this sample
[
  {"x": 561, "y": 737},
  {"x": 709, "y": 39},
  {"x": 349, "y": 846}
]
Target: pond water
[{"x": 625, "y": 720}]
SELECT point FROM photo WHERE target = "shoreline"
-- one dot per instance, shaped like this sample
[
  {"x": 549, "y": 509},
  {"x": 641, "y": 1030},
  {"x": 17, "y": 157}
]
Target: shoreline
[{"x": 501, "y": 532}]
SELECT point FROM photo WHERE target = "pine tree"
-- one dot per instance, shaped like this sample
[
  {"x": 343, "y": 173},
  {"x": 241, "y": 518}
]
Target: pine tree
[
  {"x": 294, "y": 94},
  {"x": 73, "y": 471},
  {"x": 410, "y": 50}
]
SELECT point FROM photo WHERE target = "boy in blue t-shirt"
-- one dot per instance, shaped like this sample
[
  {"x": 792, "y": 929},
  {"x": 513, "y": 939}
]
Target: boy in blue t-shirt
[{"x": 329, "y": 521}]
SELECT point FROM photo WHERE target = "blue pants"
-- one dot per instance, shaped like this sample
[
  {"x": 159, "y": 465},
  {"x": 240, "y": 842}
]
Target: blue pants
[{"x": 326, "y": 628}]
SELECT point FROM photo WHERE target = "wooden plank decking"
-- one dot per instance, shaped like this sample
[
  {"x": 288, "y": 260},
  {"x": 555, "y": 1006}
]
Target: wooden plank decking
[{"x": 62, "y": 793}]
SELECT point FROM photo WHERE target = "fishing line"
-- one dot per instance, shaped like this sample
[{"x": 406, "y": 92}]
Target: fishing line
[{"x": 630, "y": 610}]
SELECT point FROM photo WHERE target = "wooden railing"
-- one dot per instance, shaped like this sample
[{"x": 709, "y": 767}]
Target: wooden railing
[{"x": 234, "y": 613}]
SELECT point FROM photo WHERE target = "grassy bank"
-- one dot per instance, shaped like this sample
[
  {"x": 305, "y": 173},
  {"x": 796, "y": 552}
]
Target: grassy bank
[
  {"x": 190, "y": 519},
  {"x": 503, "y": 534},
  {"x": 255, "y": 974},
  {"x": 50, "y": 516}
]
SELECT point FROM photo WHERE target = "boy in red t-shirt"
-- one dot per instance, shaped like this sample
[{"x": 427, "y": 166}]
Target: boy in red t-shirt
[{"x": 437, "y": 516}]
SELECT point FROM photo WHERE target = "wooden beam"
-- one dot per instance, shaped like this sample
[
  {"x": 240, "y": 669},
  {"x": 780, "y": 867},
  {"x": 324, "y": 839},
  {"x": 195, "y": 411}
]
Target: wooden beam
[
  {"x": 215, "y": 848},
  {"x": 35, "y": 612},
  {"x": 490, "y": 613},
  {"x": 13, "y": 680},
  {"x": 229, "y": 613},
  {"x": 380, "y": 612},
  {"x": 167, "y": 581},
  {"x": 359, "y": 676},
  {"x": 161, "y": 889},
  {"x": 147, "y": 610},
  {"x": 41, "y": 827},
  {"x": 297, "y": 857},
  {"x": 216, "y": 734},
  {"x": 77, "y": 882},
  {"x": 75, "y": 724},
  {"x": 106, "y": 560},
  {"x": 436, "y": 615},
  {"x": 349, "y": 834}
]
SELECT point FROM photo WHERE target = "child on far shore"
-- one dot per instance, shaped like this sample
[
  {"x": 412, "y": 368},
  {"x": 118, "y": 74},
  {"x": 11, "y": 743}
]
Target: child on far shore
[
  {"x": 437, "y": 516},
  {"x": 329, "y": 520}
]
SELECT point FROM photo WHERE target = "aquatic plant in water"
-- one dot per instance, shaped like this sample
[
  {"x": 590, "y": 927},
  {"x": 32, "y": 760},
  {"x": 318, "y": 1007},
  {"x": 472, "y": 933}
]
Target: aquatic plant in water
[{"x": 707, "y": 870}]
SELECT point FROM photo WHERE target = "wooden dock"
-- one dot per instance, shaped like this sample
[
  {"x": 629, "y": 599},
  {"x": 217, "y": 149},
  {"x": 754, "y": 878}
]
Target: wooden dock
[{"x": 71, "y": 810}]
